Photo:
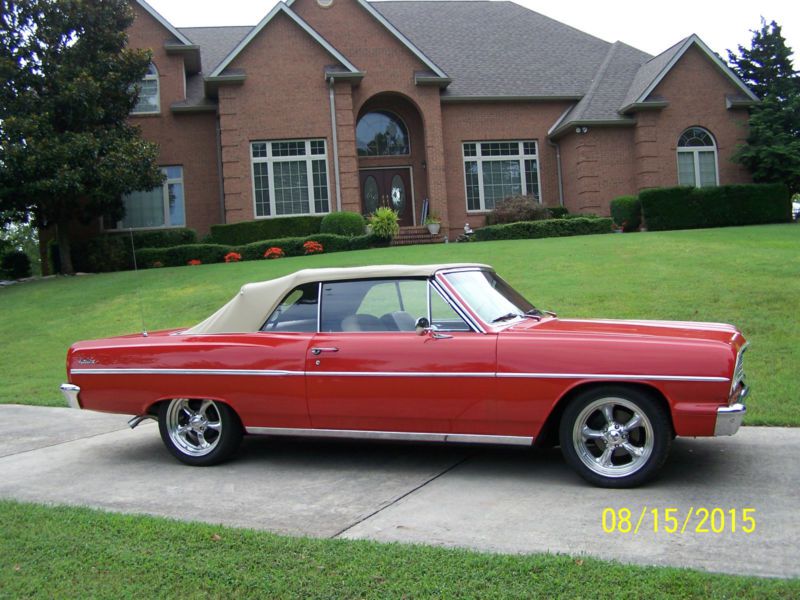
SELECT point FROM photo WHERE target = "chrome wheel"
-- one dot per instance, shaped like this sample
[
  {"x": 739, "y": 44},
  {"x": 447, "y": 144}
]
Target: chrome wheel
[
  {"x": 616, "y": 436},
  {"x": 613, "y": 437},
  {"x": 199, "y": 432},
  {"x": 194, "y": 426}
]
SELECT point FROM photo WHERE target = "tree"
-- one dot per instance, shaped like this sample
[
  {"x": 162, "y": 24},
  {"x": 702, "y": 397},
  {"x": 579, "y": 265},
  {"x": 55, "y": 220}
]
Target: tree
[
  {"x": 772, "y": 152},
  {"x": 67, "y": 86}
]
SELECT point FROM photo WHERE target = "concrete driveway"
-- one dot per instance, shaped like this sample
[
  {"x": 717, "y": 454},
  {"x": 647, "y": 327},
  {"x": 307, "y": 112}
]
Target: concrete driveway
[{"x": 493, "y": 499}]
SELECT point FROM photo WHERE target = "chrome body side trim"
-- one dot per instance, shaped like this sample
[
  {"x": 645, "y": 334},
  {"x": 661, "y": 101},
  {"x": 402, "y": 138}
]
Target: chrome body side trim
[
  {"x": 489, "y": 374},
  {"x": 254, "y": 372},
  {"x": 462, "y": 438},
  {"x": 71, "y": 394},
  {"x": 729, "y": 418},
  {"x": 613, "y": 376}
]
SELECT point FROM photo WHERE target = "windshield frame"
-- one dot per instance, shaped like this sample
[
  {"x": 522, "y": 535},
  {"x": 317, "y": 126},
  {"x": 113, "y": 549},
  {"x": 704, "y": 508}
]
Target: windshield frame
[{"x": 483, "y": 318}]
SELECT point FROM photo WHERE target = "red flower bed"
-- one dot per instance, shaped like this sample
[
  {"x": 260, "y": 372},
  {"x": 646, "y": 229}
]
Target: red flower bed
[
  {"x": 273, "y": 252},
  {"x": 312, "y": 247}
]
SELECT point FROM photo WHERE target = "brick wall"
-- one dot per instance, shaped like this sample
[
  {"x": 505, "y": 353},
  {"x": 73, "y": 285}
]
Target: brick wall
[{"x": 188, "y": 140}]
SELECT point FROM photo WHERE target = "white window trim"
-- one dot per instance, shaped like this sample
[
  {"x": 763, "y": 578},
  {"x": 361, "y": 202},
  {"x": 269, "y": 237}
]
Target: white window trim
[
  {"x": 165, "y": 202},
  {"x": 271, "y": 160},
  {"x": 696, "y": 150},
  {"x": 151, "y": 77},
  {"x": 520, "y": 156}
]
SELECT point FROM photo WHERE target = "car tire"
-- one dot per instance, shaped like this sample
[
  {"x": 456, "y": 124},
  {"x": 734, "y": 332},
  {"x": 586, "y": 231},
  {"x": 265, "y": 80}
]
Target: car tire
[
  {"x": 199, "y": 432},
  {"x": 615, "y": 437}
]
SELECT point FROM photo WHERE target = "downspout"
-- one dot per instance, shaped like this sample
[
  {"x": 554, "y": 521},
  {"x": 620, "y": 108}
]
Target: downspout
[
  {"x": 223, "y": 212},
  {"x": 335, "y": 146},
  {"x": 558, "y": 168}
]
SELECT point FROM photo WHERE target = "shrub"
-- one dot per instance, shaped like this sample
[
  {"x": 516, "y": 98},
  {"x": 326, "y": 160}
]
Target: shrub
[
  {"x": 546, "y": 228},
  {"x": 384, "y": 223},
  {"x": 112, "y": 251},
  {"x": 181, "y": 255},
  {"x": 237, "y": 234},
  {"x": 194, "y": 262},
  {"x": 723, "y": 206},
  {"x": 558, "y": 212},
  {"x": 627, "y": 212},
  {"x": 273, "y": 252},
  {"x": 16, "y": 264},
  {"x": 233, "y": 257},
  {"x": 313, "y": 247},
  {"x": 343, "y": 223},
  {"x": 517, "y": 208}
]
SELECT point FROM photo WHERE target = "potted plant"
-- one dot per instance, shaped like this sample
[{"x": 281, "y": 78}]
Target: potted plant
[{"x": 433, "y": 223}]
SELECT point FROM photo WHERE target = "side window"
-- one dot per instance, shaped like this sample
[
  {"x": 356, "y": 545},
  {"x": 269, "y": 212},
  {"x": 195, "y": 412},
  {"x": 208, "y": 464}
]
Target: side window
[
  {"x": 373, "y": 305},
  {"x": 297, "y": 312},
  {"x": 443, "y": 316}
]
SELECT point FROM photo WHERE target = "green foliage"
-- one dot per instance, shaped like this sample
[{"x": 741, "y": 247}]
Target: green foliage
[
  {"x": 384, "y": 223},
  {"x": 558, "y": 212},
  {"x": 517, "y": 208},
  {"x": 627, "y": 212},
  {"x": 215, "y": 253},
  {"x": 20, "y": 235},
  {"x": 343, "y": 223},
  {"x": 177, "y": 256},
  {"x": 772, "y": 152},
  {"x": 67, "y": 150},
  {"x": 264, "y": 229},
  {"x": 766, "y": 67},
  {"x": 16, "y": 264},
  {"x": 690, "y": 208},
  {"x": 543, "y": 229}
]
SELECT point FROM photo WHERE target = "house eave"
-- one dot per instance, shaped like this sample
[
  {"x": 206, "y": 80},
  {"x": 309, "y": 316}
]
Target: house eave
[
  {"x": 192, "y": 108},
  {"x": 566, "y": 127},
  {"x": 639, "y": 106},
  {"x": 447, "y": 98},
  {"x": 190, "y": 53},
  {"x": 422, "y": 79},
  {"x": 733, "y": 103}
]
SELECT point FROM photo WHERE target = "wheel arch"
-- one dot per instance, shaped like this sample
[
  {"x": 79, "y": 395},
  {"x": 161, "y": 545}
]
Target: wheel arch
[
  {"x": 548, "y": 434},
  {"x": 154, "y": 407}
]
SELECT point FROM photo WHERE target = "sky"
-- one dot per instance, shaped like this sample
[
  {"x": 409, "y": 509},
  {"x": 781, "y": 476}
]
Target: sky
[{"x": 649, "y": 26}]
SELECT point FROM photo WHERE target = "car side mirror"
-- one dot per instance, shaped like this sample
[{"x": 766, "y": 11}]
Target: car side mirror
[{"x": 422, "y": 326}]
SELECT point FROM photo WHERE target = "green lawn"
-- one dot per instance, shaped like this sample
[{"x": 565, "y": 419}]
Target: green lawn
[
  {"x": 749, "y": 276},
  {"x": 75, "y": 552}
]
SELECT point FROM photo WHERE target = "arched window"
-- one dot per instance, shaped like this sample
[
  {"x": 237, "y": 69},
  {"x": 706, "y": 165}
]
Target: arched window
[
  {"x": 380, "y": 133},
  {"x": 697, "y": 158},
  {"x": 148, "y": 101}
]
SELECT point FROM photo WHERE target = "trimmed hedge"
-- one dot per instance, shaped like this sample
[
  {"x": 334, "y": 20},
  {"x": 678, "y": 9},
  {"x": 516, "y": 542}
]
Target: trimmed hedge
[
  {"x": 112, "y": 251},
  {"x": 627, "y": 212},
  {"x": 237, "y": 234},
  {"x": 542, "y": 229},
  {"x": 16, "y": 264},
  {"x": 343, "y": 223},
  {"x": 558, "y": 212},
  {"x": 723, "y": 206},
  {"x": 215, "y": 253}
]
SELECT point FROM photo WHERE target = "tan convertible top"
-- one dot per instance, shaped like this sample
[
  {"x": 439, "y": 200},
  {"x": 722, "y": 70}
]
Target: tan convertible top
[{"x": 247, "y": 311}]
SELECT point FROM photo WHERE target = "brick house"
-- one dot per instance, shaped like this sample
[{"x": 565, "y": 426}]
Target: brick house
[{"x": 347, "y": 104}]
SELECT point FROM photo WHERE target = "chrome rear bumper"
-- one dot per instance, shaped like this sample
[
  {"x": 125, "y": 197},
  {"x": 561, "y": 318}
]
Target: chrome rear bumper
[
  {"x": 729, "y": 418},
  {"x": 71, "y": 394}
]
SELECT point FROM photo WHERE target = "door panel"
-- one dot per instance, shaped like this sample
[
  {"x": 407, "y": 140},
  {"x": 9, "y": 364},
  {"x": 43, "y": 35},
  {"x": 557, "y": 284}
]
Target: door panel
[
  {"x": 400, "y": 381},
  {"x": 388, "y": 187}
]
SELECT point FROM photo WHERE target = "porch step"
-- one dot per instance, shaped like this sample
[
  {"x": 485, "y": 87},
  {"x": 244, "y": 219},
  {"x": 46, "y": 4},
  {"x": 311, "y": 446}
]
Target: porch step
[{"x": 411, "y": 236}]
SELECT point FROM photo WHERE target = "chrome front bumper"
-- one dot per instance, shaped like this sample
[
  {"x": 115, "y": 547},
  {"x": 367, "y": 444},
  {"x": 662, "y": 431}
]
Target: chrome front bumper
[
  {"x": 729, "y": 418},
  {"x": 71, "y": 394}
]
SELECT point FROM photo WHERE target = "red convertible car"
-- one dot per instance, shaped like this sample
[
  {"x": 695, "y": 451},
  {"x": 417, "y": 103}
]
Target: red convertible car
[{"x": 442, "y": 353}]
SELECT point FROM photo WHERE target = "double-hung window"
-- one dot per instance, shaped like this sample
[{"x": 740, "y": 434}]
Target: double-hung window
[
  {"x": 496, "y": 170},
  {"x": 290, "y": 178},
  {"x": 162, "y": 206}
]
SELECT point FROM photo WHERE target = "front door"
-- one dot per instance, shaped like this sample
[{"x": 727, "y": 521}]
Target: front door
[{"x": 388, "y": 187}]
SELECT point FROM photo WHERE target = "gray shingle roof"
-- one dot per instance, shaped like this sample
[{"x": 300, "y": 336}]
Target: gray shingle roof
[
  {"x": 499, "y": 48},
  {"x": 215, "y": 42},
  {"x": 648, "y": 72}
]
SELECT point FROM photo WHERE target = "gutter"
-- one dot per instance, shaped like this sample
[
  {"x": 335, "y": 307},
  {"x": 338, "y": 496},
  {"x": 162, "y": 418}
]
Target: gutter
[{"x": 335, "y": 146}]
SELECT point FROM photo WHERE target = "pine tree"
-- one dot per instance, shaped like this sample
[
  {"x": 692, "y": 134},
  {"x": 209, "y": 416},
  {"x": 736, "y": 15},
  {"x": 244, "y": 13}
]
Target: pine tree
[
  {"x": 67, "y": 86},
  {"x": 772, "y": 152}
]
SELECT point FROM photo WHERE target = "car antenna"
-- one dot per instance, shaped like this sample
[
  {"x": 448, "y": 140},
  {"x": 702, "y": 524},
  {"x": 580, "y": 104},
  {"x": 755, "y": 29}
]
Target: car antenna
[{"x": 138, "y": 287}]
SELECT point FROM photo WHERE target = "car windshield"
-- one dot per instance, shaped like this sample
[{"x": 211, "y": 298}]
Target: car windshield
[{"x": 489, "y": 296}]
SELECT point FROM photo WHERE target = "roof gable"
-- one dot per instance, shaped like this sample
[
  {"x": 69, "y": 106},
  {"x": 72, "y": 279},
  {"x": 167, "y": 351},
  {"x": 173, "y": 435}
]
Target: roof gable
[
  {"x": 164, "y": 23},
  {"x": 653, "y": 72},
  {"x": 282, "y": 8},
  {"x": 413, "y": 48}
]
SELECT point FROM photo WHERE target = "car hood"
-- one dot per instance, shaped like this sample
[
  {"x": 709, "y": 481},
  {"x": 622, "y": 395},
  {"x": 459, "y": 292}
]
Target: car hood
[{"x": 685, "y": 330}]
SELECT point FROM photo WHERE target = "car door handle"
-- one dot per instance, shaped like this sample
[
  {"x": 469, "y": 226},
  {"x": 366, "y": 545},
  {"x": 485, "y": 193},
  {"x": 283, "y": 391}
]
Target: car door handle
[{"x": 318, "y": 351}]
